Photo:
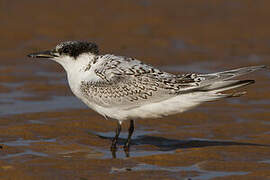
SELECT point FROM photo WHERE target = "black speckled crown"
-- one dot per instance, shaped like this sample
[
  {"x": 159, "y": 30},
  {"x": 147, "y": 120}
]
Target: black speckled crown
[{"x": 75, "y": 48}]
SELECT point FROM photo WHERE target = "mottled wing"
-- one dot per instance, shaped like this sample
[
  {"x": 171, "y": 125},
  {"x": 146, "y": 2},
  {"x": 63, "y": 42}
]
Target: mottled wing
[{"x": 128, "y": 83}]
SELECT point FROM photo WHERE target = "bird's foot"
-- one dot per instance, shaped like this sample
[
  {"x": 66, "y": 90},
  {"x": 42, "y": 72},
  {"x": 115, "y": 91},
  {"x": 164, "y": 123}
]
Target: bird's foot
[
  {"x": 113, "y": 151},
  {"x": 113, "y": 147},
  {"x": 126, "y": 147}
]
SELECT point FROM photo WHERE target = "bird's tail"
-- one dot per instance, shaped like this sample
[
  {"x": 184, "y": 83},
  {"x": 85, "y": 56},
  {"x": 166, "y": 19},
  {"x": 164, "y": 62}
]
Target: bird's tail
[{"x": 216, "y": 83}]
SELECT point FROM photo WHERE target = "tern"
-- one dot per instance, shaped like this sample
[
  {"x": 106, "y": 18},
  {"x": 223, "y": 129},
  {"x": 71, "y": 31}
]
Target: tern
[{"x": 124, "y": 88}]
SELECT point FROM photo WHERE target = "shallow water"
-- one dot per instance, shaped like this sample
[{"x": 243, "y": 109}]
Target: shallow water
[
  {"x": 22, "y": 142},
  {"x": 203, "y": 175},
  {"x": 53, "y": 104},
  {"x": 47, "y": 133}
]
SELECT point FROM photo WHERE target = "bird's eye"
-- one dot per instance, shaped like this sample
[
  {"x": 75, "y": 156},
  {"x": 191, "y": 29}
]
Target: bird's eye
[{"x": 66, "y": 50}]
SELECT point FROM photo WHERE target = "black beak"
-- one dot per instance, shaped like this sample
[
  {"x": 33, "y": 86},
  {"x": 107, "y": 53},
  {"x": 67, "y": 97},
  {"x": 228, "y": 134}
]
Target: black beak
[{"x": 43, "y": 54}]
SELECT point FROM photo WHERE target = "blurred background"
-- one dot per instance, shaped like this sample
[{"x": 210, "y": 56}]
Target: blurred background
[{"x": 44, "y": 129}]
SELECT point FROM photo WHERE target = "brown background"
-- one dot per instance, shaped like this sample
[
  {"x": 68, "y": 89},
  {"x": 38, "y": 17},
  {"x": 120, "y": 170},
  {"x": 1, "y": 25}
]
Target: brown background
[{"x": 47, "y": 133}]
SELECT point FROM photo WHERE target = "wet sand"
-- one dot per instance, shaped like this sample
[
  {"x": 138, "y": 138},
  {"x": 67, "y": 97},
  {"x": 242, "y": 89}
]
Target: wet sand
[{"x": 46, "y": 133}]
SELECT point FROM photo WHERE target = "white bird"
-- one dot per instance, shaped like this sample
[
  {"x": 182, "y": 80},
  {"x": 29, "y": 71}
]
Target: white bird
[{"x": 123, "y": 88}]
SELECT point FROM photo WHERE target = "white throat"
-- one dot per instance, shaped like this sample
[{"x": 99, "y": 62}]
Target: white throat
[{"x": 75, "y": 68}]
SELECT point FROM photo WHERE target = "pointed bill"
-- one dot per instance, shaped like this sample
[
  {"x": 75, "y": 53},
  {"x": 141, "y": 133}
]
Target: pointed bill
[{"x": 43, "y": 54}]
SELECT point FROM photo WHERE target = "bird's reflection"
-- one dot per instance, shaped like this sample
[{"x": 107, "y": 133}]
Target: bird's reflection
[
  {"x": 125, "y": 151},
  {"x": 166, "y": 144}
]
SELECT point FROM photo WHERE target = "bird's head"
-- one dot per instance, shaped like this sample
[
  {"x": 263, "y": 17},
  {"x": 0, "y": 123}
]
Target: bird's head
[{"x": 68, "y": 52}]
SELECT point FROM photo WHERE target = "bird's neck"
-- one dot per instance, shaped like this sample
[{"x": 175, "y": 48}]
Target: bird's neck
[{"x": 76, "y": 69}]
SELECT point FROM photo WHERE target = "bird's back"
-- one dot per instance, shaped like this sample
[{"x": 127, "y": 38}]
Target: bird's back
[{"x": 125, "y": 83}]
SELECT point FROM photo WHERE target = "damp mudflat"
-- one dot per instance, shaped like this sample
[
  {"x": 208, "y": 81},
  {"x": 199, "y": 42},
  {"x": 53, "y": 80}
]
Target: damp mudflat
[{"x": 46, "y": 133}]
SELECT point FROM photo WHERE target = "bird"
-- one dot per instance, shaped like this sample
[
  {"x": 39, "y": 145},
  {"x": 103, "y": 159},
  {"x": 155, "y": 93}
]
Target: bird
[{"x": 127, "y": 89}]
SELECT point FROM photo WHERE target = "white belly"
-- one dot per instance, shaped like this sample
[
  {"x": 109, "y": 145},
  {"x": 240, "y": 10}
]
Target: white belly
[{"x": 171, "y": 106}]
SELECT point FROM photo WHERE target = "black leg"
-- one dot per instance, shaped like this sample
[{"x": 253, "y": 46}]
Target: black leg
[
  {"x": 113, "y": 154},
  {"x": 117, "y": 132},
  {"x": 130, "y": 132}
]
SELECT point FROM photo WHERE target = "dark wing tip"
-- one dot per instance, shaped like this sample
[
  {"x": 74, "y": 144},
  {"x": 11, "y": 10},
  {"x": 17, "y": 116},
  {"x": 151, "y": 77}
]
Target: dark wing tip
[
  {"x": 260, "y": 67},
  {"x": 247, "y": 81}
]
